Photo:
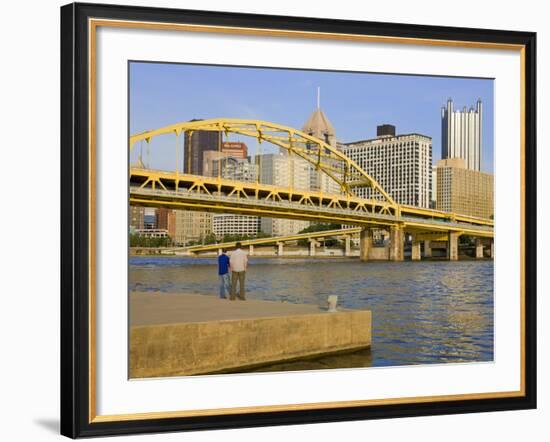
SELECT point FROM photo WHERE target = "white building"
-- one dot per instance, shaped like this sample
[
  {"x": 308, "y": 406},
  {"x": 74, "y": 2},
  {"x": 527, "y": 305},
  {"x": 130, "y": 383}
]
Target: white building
[
  {"x": 152, "y": 233},
  {"x": 461, "y": 133},
  {"x": 228, "y": 224},
  {"x": 402, "y": 165},
  {"x": 283, "y": 170}
]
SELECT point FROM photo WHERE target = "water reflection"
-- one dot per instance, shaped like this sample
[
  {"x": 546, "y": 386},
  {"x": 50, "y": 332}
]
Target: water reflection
[{"x": 423, "y": 312}]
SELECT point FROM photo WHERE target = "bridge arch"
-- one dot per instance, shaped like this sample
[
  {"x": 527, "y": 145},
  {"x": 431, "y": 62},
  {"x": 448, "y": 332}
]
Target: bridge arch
[{"x": 325, "y": 158}]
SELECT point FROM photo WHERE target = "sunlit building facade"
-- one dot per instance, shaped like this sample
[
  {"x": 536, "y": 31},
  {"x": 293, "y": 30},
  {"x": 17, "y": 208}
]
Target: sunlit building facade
[
  {"x": 401, "y": 164},
  {"x": 464, "y": 191}
]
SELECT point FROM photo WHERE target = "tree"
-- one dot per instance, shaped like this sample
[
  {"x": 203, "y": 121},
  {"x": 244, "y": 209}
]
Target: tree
[{"x": 320, "y": 227}]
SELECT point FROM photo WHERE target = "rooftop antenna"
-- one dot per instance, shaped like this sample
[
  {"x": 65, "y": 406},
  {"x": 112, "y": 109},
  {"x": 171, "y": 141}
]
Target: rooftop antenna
[{"x": 318, "y": 97}]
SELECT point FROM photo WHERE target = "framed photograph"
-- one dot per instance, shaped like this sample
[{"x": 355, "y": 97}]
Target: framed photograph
[{"x": 274, "y": 220}]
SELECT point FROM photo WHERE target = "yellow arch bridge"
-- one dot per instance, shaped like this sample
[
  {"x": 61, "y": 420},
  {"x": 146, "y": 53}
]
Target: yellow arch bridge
[{"x": 155, "y": 188}]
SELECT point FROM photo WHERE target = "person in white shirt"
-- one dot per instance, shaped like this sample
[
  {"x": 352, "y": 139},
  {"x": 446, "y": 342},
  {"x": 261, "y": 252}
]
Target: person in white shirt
[{"x": 238, "y": 262}]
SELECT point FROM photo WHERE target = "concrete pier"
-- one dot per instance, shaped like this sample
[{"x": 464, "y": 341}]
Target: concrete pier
[
  {"x": 452, "y": 246},
  {"x": 397, "y": 244},
  {"x": 427, "y": 249},
  {"x": 347, "y": 245},
  {"x": 312, "y": 246},
  {"x": 479, "y": 248},
  {"x": 415, "y": 250},
  {"x": 187, "y": 334},
  {"x": 365, "y": 244}
]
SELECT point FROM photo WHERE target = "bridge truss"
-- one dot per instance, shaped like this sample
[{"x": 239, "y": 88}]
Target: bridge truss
[{"x": 215, "y": 194}]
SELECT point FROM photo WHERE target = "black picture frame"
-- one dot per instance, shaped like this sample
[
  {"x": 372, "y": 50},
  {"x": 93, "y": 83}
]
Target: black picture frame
[{"x": 75, "y": 221}]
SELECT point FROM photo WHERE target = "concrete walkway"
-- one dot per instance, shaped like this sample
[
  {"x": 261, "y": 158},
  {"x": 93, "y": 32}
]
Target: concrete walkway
[{"x": 170, "y": 308}]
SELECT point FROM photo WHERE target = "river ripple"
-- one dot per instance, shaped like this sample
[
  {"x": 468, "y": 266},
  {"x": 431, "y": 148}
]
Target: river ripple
[{"x": 423, "y": 312}]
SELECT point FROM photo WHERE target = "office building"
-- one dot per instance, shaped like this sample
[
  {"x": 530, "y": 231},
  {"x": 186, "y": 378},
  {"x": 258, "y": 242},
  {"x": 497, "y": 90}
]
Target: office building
[
  {"x": 166, "y": 220},
  {"x": 149, "y": 218},
  {"x": 208, "y": 159},
  {"x": 153, "y": 233},
  {"x": 195, "y": 145},
  {"x": 283, "y": 170},
  {"x": 137, "y": 218},
  {"x": 401, "y": 164},
  {"x": 235, "y": 149},
  {"x": 235, "y": 169},
  {"x": 464, "y": 191},
  {"x": 238, "y": 170},
  {"x": 229, "y": 224},
  {"x": 434, "y": 187},
  {"x": 191, "y": 226},
  {"x": 461, "y": 134}
]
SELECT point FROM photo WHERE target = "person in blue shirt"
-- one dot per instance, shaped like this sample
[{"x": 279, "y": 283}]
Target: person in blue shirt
[{"x": 223, "y": 272}]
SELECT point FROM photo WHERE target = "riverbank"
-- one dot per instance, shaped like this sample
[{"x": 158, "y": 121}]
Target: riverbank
[{"x": 174, "y": 334}]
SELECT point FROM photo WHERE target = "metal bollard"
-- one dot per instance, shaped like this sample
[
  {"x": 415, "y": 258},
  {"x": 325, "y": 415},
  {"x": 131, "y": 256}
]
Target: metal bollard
[{"x": 332, "y": 302}]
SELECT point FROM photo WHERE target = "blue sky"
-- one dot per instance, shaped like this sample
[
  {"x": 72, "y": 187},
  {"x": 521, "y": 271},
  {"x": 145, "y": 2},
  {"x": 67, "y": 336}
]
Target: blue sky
[{"x": 162, "y": 94}]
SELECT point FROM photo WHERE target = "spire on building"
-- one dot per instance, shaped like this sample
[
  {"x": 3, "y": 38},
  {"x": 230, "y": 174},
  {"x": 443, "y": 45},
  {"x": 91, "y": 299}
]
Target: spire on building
[
  {"x": 319, "y": 125},
  {"x": 318, "y": 97}
]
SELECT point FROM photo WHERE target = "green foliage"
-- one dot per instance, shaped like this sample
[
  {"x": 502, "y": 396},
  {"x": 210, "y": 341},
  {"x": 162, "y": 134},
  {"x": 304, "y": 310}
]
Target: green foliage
[
  {"x": 210, "y": 239},
  {"x": 320, "y": 227},
  {"x": 142, "y": 241}
]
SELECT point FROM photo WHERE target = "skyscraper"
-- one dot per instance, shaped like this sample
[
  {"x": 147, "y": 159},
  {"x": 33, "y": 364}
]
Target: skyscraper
[
  {"x": 196, "y": 144},
  {"x": 461, "y": 133},
  {"x": 319, "y": 126}
]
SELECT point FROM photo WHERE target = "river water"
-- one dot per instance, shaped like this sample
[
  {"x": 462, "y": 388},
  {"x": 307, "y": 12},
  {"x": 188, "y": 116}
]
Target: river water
[{"x": 423, "y": 312}]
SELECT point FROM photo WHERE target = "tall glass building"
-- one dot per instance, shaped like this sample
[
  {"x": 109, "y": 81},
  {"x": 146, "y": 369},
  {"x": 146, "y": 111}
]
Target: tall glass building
[{"x": 461, "y": 132}]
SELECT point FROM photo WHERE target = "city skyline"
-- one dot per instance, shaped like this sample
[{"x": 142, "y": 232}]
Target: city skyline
[{"x": 162, "y": 94}]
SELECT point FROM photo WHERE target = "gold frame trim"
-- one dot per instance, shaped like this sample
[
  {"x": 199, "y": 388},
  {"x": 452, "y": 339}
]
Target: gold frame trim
[{"x": 93, "y": 24}]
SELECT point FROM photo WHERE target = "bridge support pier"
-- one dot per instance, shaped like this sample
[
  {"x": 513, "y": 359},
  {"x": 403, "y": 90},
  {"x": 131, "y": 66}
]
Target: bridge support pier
[
  {"x": 280, "y": 247},
  {"x": 452, "y": 246},
  {"x": 312, "y": 246},
  {"x": 220, "y": 251},
  {"x": 415, "y": 250},
  {"x": 347, "y": 245},
  {"x": 427, "y": 249},
  {"x": 365, "y": 243},
  {"x": 479, "y": 248},
  {"x": 492, "y": 249},
  {"x": 251, "y": 250},
  {"x": 397, "y": 244}
]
